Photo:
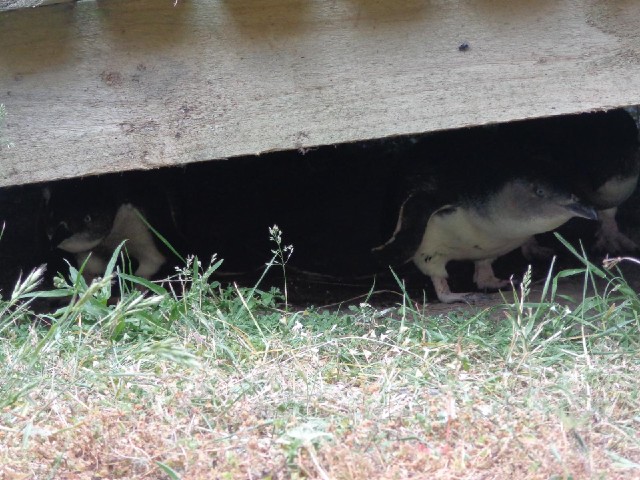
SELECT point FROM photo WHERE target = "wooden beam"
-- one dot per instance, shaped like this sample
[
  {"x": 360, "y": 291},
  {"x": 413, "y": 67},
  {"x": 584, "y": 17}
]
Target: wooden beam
[
  {"x": 16, "y": 4},
  {"x": 114, "y": 85}
]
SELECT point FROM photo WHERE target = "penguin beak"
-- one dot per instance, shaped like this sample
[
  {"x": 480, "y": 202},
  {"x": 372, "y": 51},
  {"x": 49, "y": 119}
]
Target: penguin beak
[{"x": 582, "y": 210}]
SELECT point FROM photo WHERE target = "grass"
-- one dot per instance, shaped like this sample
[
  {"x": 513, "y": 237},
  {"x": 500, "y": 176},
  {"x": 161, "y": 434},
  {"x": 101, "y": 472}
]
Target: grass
[{"x": 227, "y": 382}]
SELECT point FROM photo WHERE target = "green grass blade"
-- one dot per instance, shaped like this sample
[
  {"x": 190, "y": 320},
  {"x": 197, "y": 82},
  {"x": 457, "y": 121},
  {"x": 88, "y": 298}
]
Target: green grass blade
[
  {"x": 149, "y": 285},
  {"x": 171, "y": 473},
  {"x": 165, "y": 242}
]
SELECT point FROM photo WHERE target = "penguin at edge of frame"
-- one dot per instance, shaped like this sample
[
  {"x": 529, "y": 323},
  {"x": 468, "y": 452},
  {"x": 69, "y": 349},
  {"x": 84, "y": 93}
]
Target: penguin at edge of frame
[{"x": 90, "y": 219}]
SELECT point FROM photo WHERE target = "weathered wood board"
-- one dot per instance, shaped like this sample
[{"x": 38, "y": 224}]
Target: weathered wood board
[
  {"x": 114, "y": 85},
  {"x": 16, "y": 4}
]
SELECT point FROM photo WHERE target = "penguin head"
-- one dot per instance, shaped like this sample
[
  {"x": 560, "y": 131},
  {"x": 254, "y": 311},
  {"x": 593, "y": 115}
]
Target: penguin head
[
  {"x": 537, "y": 206},
  {"x": 539, "y": 198},
  {"x": 77, "y": 220}
]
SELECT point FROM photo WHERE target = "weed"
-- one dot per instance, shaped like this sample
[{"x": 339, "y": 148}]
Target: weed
[{"x": 281, "y": 256}]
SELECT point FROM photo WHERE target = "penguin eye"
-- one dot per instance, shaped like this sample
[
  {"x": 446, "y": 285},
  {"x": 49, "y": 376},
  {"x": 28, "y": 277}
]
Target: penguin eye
[
  {"x": 87, "y": 218},
  {"x": 540, "y": 191}
]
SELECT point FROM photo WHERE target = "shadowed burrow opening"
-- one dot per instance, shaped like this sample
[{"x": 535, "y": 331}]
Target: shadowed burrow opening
[{"x": 333, "y": 204}]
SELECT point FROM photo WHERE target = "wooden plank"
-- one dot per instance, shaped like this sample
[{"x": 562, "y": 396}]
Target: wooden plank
[
  {"x": 16, "y": 4},
  {"x": 119, "y": 84}
]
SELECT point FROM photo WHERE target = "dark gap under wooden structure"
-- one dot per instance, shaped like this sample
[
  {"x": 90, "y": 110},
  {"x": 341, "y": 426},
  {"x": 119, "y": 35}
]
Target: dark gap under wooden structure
[{"x": 332, "y": 203}]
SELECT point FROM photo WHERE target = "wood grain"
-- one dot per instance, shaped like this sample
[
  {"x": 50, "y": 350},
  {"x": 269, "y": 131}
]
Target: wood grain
[
  {"x": 16, "y": 4},
  {"x": 114, "y": 85}
]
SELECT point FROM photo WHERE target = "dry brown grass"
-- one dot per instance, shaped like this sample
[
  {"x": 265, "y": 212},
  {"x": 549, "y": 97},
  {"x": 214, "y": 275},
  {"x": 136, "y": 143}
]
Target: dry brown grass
[{"x": 378, "y": 426}]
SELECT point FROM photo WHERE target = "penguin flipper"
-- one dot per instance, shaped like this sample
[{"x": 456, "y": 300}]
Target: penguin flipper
[{"x": 413, "y": 218}]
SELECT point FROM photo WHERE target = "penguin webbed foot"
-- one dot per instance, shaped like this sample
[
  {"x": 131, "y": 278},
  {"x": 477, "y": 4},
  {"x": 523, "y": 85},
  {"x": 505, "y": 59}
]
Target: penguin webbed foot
[
  {"x": 485, "y": 278},
  {"x": 613, "y": 241},
  {"x": 445, "y": 295},
  {"x": 470, "y": 298},
  {"x": 496, "y": 284},
  {"x": 609, "y": 238}
]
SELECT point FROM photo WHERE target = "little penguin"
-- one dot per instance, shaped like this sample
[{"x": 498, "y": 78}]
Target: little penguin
[
  {"x": 597, "y": 153},
  {"x": 478, "y": 227},
  {"x": 90, "y": 218}
]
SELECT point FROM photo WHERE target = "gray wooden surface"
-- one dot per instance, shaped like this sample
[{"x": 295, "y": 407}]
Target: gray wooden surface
[
  {"x": 113, "y": 85},
  {"x": 16, "y": 4}
]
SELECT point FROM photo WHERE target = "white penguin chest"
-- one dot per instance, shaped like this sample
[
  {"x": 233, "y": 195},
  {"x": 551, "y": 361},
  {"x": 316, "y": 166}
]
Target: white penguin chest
[
  {"x": 614, "y": 191},
  {"x": 128, "y": 225},
  {"x": 460, "y": 234}
]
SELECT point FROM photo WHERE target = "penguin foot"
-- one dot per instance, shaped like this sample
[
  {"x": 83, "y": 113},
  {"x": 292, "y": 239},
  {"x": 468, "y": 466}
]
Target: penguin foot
[
  {"x": 445, "y": 295},
  {"x": 614, "y": 241},
  {"x": 493, "y": 284},
  {"x": 609, "y": 238},
  {"x": 470, "y": 298},
  {"x": 485, "y": 279},
  {"x": 532, "y": 250}
]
